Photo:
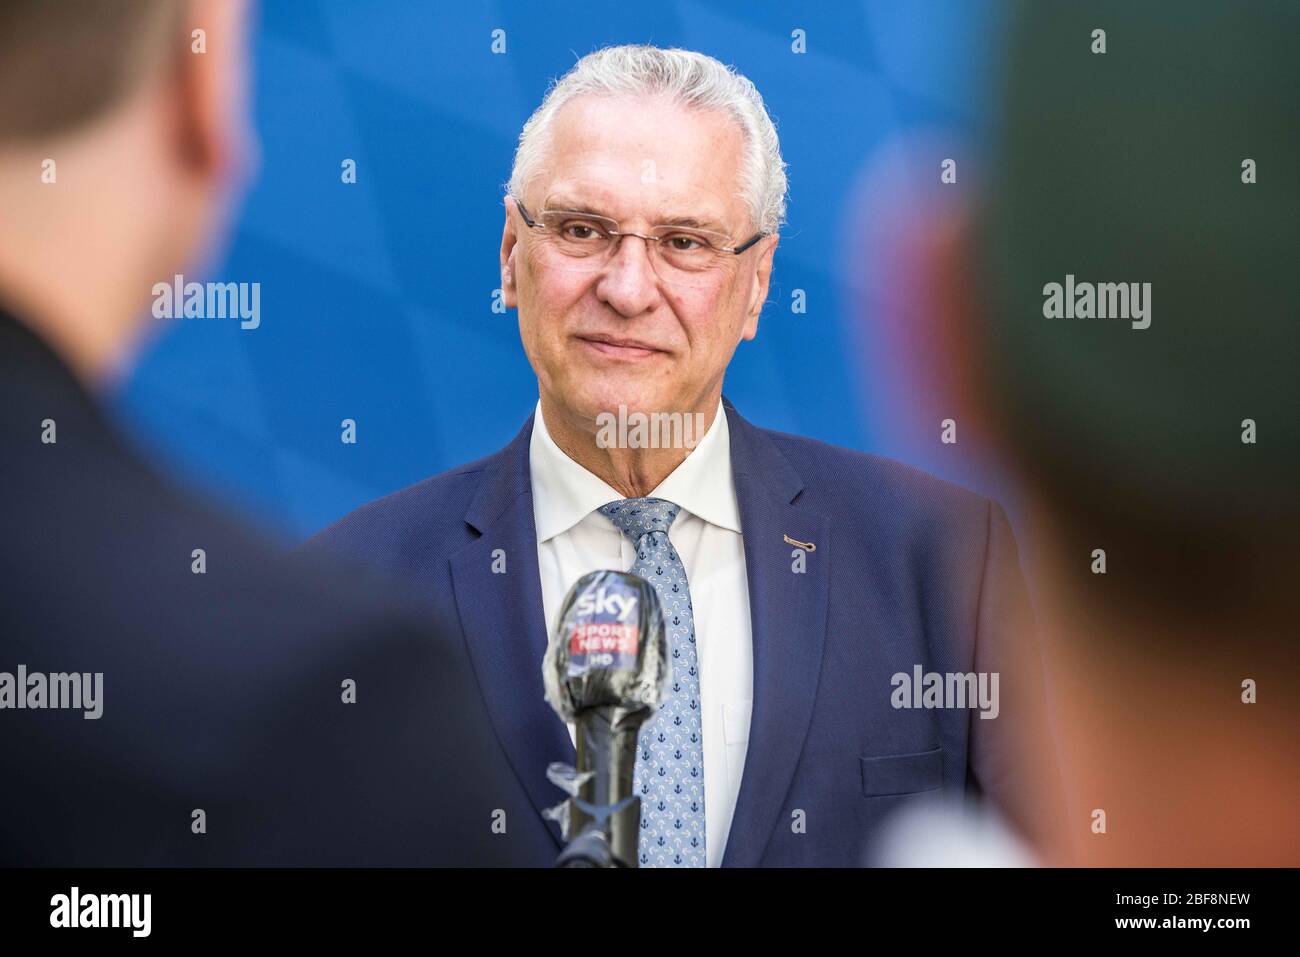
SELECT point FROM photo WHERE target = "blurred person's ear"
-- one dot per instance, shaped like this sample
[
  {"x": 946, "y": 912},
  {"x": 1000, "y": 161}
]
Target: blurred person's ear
[
  {"x": 212, "y": 140},
  {"x": 953, "y": 354},
  {"x": 208, "y": 150}
]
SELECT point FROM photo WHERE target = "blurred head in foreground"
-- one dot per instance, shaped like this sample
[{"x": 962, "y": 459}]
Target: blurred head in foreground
[
  {"x": 122, "y": 128},
  {"x": 219, "y": 674},
  {"x": 1158, "y": 453}
]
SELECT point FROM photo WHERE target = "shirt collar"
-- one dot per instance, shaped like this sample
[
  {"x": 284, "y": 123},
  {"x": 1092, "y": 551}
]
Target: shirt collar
[{"x": 564, "y": 493}]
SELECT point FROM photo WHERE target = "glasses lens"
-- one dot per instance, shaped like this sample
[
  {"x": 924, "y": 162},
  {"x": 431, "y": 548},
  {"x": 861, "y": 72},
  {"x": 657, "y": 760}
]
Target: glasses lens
[
  {"x": 579, "y": 237},
  {"x": 584, "y": 243},
  {"x": 689, "y": 250}
]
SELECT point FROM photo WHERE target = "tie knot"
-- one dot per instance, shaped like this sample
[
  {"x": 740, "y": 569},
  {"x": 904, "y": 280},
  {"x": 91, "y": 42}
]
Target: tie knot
[{"x": 638, "y": 517}]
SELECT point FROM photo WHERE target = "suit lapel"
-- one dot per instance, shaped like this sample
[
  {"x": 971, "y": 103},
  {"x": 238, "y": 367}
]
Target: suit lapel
[
  {"x": 788, "y": 615},
  {"x": 504, "y": 623}
]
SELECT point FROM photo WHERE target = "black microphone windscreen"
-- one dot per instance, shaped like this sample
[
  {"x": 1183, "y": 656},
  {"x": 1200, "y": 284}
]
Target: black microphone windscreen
[{"x": 609, "y": 647}]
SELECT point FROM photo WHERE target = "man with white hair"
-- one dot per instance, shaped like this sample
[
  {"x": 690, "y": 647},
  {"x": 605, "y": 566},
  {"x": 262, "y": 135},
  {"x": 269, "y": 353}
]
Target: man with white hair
[{"x": 641, "y": 219}]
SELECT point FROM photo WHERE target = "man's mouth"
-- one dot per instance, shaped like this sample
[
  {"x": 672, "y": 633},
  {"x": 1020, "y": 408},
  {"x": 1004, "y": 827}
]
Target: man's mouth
[{"x": 616, "y": 347}]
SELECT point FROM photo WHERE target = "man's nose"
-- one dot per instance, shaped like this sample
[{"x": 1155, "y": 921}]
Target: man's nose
[{"x": 628, "y": 282}]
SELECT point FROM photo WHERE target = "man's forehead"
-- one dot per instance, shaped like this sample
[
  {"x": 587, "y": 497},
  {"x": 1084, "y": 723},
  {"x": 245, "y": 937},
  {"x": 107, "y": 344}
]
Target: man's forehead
[{"x": 639, "y": 156}]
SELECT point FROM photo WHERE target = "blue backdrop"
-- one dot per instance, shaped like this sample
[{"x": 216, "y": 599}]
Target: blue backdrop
[{"x": 377, "y": 296}]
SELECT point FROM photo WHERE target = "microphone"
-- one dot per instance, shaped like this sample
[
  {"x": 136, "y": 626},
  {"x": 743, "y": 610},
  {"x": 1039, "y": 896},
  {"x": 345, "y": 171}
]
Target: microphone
[{"x": 606, "y": 669}]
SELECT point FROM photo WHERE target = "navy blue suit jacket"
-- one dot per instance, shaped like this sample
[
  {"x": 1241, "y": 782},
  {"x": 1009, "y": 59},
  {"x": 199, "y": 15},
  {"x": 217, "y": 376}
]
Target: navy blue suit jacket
[{"x": 907, "y": 570}]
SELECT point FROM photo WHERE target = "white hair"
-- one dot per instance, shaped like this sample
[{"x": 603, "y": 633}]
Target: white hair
[{"x": 692, "y": 79}]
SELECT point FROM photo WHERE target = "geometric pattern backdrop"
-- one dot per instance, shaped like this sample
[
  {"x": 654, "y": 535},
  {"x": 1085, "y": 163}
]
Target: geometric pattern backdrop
[{"x": 376, "y": 298}]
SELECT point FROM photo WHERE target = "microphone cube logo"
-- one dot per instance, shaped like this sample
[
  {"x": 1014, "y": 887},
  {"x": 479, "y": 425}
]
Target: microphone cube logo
[{"x": 606, "y": 630}]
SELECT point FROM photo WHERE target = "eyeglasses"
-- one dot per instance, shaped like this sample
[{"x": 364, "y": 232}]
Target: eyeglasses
[{"x": 682, "y": 255}]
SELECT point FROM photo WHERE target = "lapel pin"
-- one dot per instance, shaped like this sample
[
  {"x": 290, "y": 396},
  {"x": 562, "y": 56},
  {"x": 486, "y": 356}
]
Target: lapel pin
[{"x": 806, "y": 546}]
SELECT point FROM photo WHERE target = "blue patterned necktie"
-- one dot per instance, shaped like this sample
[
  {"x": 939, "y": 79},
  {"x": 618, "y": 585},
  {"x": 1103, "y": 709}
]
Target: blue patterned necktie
[{"x": 669, "y": 774}]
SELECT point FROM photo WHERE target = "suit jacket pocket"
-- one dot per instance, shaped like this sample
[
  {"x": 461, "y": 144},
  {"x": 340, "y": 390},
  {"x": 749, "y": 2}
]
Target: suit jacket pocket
[{"x": 901, "y": 773}]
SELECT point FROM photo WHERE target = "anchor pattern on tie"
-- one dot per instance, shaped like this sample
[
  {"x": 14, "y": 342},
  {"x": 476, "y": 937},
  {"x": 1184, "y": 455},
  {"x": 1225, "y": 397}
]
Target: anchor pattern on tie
[{"x": 669, "y": 772}]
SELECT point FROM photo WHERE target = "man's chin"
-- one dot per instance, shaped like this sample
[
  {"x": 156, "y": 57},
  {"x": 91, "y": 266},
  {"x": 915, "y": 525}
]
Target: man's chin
[{"x": 594, "y": 404}]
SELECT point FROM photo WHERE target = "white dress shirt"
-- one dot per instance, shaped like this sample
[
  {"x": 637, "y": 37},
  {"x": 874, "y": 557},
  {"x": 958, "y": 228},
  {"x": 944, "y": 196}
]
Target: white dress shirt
[{"x": 574, "y": 539}]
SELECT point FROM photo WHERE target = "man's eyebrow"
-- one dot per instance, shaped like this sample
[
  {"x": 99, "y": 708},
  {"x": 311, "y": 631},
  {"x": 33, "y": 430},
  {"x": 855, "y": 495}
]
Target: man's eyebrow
[
  {"x": 578, "y": 206},
  {"x": 690, "y": 222},
  {"x": 573, "y": 205}
]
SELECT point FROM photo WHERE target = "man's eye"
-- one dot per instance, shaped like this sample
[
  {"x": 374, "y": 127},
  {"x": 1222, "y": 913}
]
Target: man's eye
[
  {"x": 685, "y": 244},
  {"x": 580, "y": 231}
]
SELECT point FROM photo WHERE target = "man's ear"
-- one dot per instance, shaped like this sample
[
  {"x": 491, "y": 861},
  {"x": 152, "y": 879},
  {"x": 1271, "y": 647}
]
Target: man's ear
[
  {"x": 509, "y": 244},
  {"x": 212, "y": 137},
  {"x": 762, "y": 280}
]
